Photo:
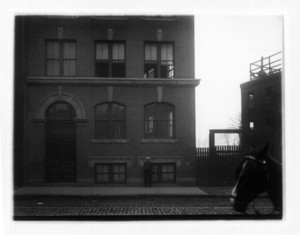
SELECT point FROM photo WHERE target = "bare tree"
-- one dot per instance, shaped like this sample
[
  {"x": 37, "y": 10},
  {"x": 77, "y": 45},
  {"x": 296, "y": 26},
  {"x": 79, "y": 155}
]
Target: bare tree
[
  {"x": 236, "y": 124},
  {"x": 227, "y": 139}
]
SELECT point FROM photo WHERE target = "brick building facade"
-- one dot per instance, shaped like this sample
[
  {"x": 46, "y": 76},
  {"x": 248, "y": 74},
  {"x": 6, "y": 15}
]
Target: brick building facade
[
  {"x": 94, "y": 96},
  {"x": 262, "y": 105}
]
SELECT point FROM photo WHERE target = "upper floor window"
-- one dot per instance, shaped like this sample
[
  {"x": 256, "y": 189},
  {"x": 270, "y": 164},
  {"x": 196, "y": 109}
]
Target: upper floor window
[
  {"x": 110, "y": 121},
  {"x": 159, "y": 60},
  {"x": 159, "y": 120},
  {"x": 60, "y": 58},
  {"x": 251, "y": 99},
  {"x": 110, "y": 59}
]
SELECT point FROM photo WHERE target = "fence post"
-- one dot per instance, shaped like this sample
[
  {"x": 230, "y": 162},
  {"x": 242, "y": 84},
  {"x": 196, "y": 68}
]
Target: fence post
[{"x": 211, "y": 156}]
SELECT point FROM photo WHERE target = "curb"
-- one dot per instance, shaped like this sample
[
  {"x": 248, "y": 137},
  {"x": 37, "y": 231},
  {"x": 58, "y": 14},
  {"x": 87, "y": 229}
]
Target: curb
[{"x": 211, "y": 196}]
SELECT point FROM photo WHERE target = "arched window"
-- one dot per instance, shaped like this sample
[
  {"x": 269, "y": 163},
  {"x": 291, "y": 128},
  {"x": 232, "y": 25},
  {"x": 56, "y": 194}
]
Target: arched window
[
  {"x": 159, "y": 120},
  {"x": 110, "y": 120},
  {"x": 60, "y": 111}
]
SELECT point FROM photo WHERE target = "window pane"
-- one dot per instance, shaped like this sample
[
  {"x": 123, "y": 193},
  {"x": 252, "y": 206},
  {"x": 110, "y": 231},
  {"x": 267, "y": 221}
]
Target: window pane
[
  {"x": 69, "y": 50},
  {"x": 171, "y": 129},
  {"x": 118, "y": 112},
  {"x": 53, "y": 68},
  {"x": 118, "y": 129},
  {"x": 122, "y": 168},
  {"x": 168, "y": 172},
  {"x": 69, "y": 68},
  {"x": 118, "y": 50},
  {"x": 164, "y": 168},
  {"x": 170, "y": 168},
  {"x": 167, "y": 66},
  {"x": 102, "y": 178},
  {"x": 114, "y": 117},
  {"x": 103, "y": 168},
  {"x": 102, "y": 51},
  {"x": 151, "y": 127},
  {"x": 52, "y": 50},
  {"x": 101, "y": 129},
  {"x": 116, "y": 178},
  {"x": 60, "y": 111},
  {"x": 159, "y": 120},
  {"x": 166, "y": 52},
  {"x": 251, "y": 100},
  {"x": 167, "y": 70},
  {"x": 101, "y": 112},
  {"x": 168, "y": 177},
  {"x": 150, "y": 70},
  {"x": 164, "y": 177},
  {"x": 163, "y": 52},
  {"x": 150, "y": 52},
  {"x": 164, "y": 111},
  {"x": 118, "y": 70},
  {"x": 164, "y": 128},
  {"x": 110, "y": 173},
  {"x": 116, "y": 168},
  {"x": 167, "y": 129},
  {"x": 102, "y": 69}
]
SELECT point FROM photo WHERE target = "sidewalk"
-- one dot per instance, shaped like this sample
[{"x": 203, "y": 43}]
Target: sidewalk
[{"x": 123, "y": 191}]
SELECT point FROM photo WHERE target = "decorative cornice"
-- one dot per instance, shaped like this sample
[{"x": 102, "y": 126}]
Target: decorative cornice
[{"x": 92, "y": 81}]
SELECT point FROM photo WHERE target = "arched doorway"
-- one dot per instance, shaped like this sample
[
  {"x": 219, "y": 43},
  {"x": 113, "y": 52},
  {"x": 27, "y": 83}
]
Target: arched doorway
[{"x": 60, "y": 143}]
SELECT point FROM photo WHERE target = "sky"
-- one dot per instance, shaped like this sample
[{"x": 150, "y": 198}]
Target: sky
[{"x": 225, "y": 45}]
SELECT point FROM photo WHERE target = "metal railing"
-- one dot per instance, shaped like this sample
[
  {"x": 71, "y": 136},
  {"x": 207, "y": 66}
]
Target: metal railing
[{"x": 266, "y": 66}]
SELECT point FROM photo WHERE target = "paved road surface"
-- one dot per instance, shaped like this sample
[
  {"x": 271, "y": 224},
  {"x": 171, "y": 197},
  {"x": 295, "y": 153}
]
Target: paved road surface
[{"x": 39, "y": 207}]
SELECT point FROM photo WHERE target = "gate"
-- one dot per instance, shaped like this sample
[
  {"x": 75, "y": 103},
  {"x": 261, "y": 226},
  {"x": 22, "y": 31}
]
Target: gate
[
  {"x": 217, "y": 165},
  {"x": 219, "y": 168}
]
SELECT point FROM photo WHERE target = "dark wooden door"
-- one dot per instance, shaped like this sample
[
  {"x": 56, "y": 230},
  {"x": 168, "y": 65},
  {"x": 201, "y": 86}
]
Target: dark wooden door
[{"x": 60, "y": 152}]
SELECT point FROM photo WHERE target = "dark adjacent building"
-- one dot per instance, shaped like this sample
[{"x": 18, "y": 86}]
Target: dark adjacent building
[
  {"x": 95, "y": 96},
  {"x": 262, "y": 105}
]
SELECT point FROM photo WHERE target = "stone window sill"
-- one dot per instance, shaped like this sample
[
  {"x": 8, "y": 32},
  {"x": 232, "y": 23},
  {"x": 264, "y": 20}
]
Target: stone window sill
[
  {"x": 110, "y": 141},
  {"x": 159, "y": 140}
]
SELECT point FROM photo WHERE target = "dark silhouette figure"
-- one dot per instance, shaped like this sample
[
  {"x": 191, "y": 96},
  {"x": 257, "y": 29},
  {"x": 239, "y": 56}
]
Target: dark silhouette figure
[
  {"x": 148, "y": 172},
  {"x": 258, "y": 173}
]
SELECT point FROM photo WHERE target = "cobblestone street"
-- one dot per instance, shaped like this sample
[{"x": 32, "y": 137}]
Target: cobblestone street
[{"x": 39, "y": 207}]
